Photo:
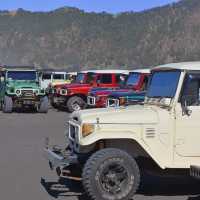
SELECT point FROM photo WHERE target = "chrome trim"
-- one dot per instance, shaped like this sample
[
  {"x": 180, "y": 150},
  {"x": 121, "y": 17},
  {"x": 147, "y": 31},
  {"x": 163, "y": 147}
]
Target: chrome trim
[
  {"x": 63, "y": 92},
  {"x": 91, "y": 101},
  {"x": 74, "y": 139},
  {"x": 112, "y": 103}
]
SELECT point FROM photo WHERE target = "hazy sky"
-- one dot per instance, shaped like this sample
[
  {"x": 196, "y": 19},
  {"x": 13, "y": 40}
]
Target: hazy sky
[{"x": 112, "y": 6}]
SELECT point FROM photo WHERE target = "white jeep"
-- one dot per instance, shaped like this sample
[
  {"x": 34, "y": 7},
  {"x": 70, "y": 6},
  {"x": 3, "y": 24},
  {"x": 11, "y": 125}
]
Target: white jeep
[{"x": 112, "y": 146}]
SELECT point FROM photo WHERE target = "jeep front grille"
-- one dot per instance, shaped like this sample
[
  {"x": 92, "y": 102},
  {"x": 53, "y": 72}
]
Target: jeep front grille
[{"x": 27, "y": 93}]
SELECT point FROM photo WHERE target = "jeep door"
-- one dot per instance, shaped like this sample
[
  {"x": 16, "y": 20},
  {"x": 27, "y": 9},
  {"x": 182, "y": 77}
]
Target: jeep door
[{"x": 187, "y": 140}]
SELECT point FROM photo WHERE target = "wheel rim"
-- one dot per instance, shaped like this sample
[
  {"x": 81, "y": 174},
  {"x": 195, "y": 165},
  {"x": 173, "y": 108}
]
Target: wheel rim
[
  {"x": 114, "y": 179},
  {"x": 76, "y": 106}
]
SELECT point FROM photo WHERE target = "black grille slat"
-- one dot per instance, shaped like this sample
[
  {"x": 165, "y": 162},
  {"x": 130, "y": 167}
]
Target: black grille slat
[{"x": 27, "y": 92}]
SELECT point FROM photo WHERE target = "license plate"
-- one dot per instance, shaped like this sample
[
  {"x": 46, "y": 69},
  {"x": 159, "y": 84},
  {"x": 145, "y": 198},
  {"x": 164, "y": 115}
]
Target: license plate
[{"x": 27, "y": 102}]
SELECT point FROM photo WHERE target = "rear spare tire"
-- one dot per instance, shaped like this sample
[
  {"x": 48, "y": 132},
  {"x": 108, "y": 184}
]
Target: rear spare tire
[
  {"x": 7, "y": 104},
  {"x": 111, "y": 174},
  {"x": 44, "y": 105}
]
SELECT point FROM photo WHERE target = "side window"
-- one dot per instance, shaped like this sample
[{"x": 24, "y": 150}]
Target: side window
[
  {"x": 90, "y": 78},
  {"x": 105, "y": 79},
  {"x": 121, "y": 79},
  {"x": 191, "y": 90}
]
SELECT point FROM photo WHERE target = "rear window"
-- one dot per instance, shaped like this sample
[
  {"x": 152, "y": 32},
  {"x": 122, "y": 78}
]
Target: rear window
[{"x": 105, "y": 78}]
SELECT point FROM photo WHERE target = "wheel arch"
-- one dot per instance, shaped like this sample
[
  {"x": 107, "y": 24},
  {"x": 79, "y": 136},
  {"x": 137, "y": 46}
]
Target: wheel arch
[
  {"x": 133, "y": 148},
  {"x": 83, "y": 96}
]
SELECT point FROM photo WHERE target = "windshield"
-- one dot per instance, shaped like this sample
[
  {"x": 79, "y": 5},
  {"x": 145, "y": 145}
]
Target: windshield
[
  {"x": 133, "y": 79},
  {"x": 22, "y": 75},
  {"x": 80, "y": 78},
  {"x": 163, "y": 84},
  {"x": 58, "y": 76}
]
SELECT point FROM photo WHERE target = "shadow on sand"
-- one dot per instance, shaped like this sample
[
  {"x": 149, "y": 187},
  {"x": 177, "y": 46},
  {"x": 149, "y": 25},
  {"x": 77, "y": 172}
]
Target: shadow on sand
[
  {"x": 152, "y": 186},
  {"x": 63, "y": 188}
]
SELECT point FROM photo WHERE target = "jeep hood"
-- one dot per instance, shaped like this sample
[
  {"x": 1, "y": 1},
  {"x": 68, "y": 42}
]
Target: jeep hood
[
  {"x": 137, "y": 114},
  {"x": 75, "y": 85},
  {"x": 23, "y": 84}
]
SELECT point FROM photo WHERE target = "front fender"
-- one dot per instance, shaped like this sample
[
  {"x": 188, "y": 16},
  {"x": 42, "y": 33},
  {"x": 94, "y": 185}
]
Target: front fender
[
  {"x": 117, "y": 133},
  {"x": 134, "y": 133}
]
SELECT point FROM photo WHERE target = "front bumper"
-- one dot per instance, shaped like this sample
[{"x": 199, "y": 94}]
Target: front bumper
[
  {"x": 93, "y": 102},
  {"x": 57, "y": 159},
  {"x": 58, "y": 99},
  {"x": 195, "y": 172}
]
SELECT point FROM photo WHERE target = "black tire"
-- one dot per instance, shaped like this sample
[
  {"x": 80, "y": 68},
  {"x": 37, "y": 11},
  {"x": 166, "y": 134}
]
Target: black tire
[
  {"x": 1, "y": 105},
  {"x": 75, "y": 103},
  {"x": 44, "y": 105},
  {"x": 54, "y": 105},
  {"x": 7, "y": 104},
  {"x": 100, "y": 185}
]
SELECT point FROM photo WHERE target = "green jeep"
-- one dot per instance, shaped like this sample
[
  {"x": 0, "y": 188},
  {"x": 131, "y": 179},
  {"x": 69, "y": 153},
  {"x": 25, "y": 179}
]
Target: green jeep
[{"x": 20, "y": 88}]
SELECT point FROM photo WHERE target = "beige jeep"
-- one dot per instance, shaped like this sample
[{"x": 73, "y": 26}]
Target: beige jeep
[{"x": 112, "y": 146}]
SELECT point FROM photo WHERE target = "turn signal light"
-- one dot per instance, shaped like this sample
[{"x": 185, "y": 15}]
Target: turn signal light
[{"x": 87, "y": 129}]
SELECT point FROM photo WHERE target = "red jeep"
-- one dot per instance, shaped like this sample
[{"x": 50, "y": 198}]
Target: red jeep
[
  {"x": 74, "y": 96},
  {"x": 136, "y": 81}
]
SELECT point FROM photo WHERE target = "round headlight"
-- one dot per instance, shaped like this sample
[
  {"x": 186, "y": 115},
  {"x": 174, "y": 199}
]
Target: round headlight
[
  {"x": 63, "y": 92},
  {"x": 36, "y": 91},
  {"x": 17, "y": 91}
]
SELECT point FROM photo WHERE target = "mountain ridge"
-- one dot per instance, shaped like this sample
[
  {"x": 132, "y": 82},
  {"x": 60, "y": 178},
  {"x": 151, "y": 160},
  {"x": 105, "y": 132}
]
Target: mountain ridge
[{"x": 71, "y": 38}]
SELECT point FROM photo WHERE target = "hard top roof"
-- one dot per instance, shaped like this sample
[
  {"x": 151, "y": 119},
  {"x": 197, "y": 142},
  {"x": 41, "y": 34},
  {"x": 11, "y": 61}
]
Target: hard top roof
[
  {"x": 107, "y": 71},
  {"x": 18, "y": 68},
  {"x": 144, "y": 71},
  {"x": 179, "y": 66}
]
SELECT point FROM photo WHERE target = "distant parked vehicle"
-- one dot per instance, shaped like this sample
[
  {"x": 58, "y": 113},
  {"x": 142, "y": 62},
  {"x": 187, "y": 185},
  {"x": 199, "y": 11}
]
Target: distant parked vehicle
[
  {"x": 116, "y": 99},
  {"x": 19, "y": 87},
  {"x": 49, "y": 79},
  {"x": 135, "y": 83},
  {"x": 74, "y": 96}
]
